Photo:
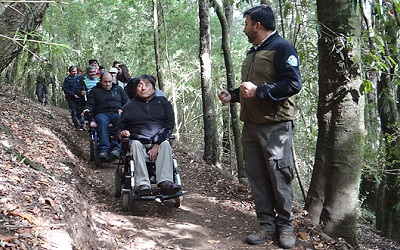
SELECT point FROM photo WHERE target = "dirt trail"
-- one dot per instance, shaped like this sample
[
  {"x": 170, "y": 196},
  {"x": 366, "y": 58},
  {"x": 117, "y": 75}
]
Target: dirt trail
[{"x": 58, "y": 201}]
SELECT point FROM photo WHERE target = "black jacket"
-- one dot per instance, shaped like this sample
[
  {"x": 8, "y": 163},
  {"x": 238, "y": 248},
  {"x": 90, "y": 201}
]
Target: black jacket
[
  {"x": 149, "y": 122},
  {"x": 103, "y": 101}
]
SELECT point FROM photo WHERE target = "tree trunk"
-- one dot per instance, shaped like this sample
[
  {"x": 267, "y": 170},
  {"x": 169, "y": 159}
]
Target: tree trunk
[
  {"x": 157, "y": 46},
  {"x": 369, "y": 186},
  {"x": 16, "y": 20},
  {"x": 388, "y": 212},
  {"x": 210, "y": 131},
  {"x": 340, "y": 144},
  {"x": 223, "y": 17}
]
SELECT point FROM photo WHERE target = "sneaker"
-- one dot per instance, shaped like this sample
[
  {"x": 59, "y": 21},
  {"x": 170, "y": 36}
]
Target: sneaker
[
  {"x": 143, "y": 190},
  {"x": 168, "y": 188},
  {"x": 287, "y": 240},
  {"x": 260, "y": 237},
  {"x": 115, "y": 153},
  {"x": 103, "y": 155}
]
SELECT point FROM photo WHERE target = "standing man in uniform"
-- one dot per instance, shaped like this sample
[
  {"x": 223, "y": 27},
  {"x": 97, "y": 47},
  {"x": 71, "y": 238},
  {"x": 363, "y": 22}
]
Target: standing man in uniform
[
  {"x": 270, "y": 78},
  {"x": 43, "y": 79}
]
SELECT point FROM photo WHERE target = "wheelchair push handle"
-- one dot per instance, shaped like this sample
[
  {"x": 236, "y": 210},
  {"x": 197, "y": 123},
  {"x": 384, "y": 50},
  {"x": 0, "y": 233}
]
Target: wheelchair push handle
[{"x": 124, "y": 145}]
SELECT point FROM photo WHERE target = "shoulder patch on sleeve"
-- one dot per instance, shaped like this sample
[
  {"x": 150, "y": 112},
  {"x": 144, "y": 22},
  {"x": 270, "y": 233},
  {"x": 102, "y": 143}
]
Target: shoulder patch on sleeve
[{"x": 292, "y": 61}]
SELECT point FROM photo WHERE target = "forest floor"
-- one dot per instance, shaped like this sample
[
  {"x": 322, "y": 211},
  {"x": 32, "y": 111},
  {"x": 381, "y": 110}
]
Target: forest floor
[{"x": 51, "y": 197}]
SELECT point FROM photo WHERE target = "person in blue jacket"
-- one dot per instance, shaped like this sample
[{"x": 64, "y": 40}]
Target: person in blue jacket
[{"x": 73, "y": 92}]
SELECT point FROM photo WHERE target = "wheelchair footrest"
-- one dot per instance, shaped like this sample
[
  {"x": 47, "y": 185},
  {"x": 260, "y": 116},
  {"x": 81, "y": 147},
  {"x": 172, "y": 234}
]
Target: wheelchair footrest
[{"x": 156, "y": 193}]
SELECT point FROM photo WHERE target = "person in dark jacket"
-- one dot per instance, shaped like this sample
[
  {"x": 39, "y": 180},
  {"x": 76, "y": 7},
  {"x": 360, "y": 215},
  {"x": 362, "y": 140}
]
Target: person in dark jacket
[
  {"x": 105, "y": 101},
  {"x": 270, "y": 78},
  {"x": 43, "y": 80},
  {"x": 73, "y": 92},
  {"x": 149, "y": 120}
]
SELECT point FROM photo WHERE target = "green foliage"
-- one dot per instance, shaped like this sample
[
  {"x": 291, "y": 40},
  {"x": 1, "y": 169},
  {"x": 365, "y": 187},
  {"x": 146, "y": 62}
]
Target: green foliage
[
  {"x": 366, "y": 87},
  {"x": 122, "y": 30}
]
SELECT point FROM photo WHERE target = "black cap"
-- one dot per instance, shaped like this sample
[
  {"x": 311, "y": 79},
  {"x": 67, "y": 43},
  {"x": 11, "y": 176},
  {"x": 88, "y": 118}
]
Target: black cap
[{"x": 93, "y": 60}]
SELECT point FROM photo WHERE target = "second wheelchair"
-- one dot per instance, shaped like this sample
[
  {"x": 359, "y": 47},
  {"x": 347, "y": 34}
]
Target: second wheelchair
[{"x": 91, "y": 127}]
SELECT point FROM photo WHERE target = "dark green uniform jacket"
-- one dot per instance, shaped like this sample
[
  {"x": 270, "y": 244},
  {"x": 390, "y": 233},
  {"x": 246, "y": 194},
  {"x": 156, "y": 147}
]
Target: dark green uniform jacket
[{"x": 274, "y": 68}]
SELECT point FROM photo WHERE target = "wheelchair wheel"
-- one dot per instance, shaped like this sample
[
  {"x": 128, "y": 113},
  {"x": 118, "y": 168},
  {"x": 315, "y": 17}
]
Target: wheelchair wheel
[
  {"x": 125, "y": 201},
  {"x": 118, "y": 180},
  {"x": 177, "y": 202}
]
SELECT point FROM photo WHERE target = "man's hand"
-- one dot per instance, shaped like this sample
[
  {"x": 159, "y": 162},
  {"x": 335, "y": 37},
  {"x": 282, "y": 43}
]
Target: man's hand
[
  {"x": 248, "y": 89},
  {"x": 124, "y": 133},
  {"x": 119, "y": 111},
  {"x": 84, "y": 111},
  {"x": 224, "y": 96},
  {"x": 153, "y": 152}
]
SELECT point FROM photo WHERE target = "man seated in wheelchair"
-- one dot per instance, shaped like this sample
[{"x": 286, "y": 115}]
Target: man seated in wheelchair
[
  {"x": 105, "y": 102},
  {"x": 148, "y": 120}
]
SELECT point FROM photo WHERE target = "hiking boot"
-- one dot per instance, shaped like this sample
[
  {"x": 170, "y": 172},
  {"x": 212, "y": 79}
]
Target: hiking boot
[
  {"x": 260, "y": 237},
  {"x": 287, "y": 240}
]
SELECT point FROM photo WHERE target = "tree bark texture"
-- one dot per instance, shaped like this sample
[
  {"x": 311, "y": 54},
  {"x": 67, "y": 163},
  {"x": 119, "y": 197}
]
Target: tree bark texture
[
  {"x": 224, "y": 16},
  {"x": 16, "y": 21},
  {"x": 210, "y": 130},
  {"x": 333, "y": 195}
]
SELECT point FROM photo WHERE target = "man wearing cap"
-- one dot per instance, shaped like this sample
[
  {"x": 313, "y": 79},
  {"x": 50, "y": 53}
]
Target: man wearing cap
[
  {"x": 149, "y": 120},
  {"x": 114, "y": 71}
]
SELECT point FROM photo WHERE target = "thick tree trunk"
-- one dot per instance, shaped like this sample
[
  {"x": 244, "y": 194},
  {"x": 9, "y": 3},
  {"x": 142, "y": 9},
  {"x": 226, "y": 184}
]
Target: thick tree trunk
[
  {"x": 16, "y": 20},
  {"x": 210, "y": 131},
  {"x": 340, "y": 145}
]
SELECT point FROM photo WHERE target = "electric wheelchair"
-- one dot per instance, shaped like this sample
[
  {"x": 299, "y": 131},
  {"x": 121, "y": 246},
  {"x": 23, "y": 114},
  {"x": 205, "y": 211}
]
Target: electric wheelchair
[{"x": 125, "y": 181}]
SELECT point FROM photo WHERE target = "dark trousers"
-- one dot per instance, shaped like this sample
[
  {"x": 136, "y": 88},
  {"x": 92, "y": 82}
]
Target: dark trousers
[
  {"x": 41, "y": 88},
  {"x": 74, "y": 110},
  {"x": 269, "y": 165}
]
